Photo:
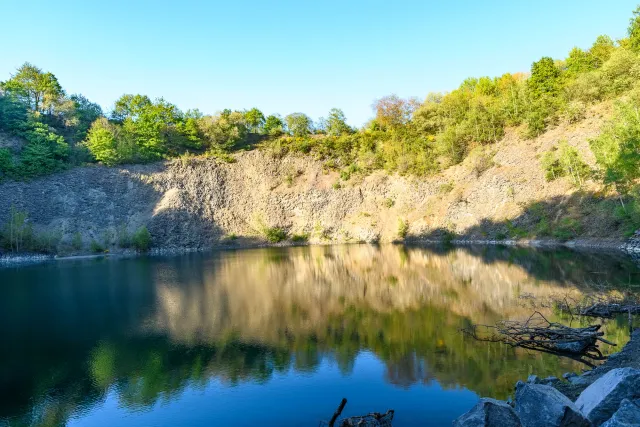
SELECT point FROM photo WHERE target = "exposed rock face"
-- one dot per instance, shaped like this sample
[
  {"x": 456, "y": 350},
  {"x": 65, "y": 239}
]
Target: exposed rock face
[
  {"x": 194, "y": 203},
  {"x": 601, "y": 400},
  {"x": 628, "y": 415},
  {"x": 489, "y": 413},
  {"x": 541, "y": 405}
]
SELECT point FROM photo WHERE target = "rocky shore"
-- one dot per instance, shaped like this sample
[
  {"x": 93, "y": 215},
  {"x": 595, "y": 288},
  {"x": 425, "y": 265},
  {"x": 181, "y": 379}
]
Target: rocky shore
[{"x": 607, "y": 396}]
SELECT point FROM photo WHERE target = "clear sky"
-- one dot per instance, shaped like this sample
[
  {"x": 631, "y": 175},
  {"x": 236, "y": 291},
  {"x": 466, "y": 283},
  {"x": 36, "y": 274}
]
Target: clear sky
[{"x": 284, "y": 56}]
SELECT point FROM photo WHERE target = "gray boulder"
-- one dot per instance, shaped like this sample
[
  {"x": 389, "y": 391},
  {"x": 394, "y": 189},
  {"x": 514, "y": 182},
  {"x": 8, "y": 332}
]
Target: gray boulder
[
  {"x": 489, "y": 413},
  {"x": 601, "y": 400},
  {"x": 542, "y": 405},
  {"x": 533, "y": 379},
  {"x": 628, "y": 415}
]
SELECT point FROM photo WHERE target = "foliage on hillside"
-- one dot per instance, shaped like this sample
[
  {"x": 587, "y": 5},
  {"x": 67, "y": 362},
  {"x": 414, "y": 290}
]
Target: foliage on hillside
[{"x": 405, "y": 136}]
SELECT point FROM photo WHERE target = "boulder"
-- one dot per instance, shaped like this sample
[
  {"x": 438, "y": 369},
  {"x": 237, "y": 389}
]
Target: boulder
[
  {"x": 601, "y": 400},
  {"x": 533, "y": 379},
  {"x": 489, "y": 413},
  {"x": 628, "y": 415},
  {"x": 542, "y": 405}
]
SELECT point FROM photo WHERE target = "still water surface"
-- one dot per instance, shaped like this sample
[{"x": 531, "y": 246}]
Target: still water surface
[{"x": 278, "y": 336}]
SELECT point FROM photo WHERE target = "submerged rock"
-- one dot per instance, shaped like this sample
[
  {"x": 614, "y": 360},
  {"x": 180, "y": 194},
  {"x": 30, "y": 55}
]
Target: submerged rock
[
  {"x": 542, "y": 405},
  {"x": 628, "y": 415},
  {"x": 489, "y": 413},
  {"x": 601, "y": 400}
]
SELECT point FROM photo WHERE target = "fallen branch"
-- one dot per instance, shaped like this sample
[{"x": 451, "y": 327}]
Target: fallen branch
[{"x": 537, "y": 333}]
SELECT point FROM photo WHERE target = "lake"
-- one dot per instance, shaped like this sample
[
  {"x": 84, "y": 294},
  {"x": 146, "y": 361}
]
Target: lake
[{"x": 278, "y": 336}]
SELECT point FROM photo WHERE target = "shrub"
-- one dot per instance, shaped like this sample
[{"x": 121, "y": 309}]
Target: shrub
[
  {"x": 46, "y": 242},
  {"x": 123, "y": 238},
  {"x": 76, "y": 241},
  {"x": 446, "y": 188},
  {"x": 300, "y": 238},
  {"x": 567, "y": 228},
  {"x": 141, "y": 239},
  {"x": 574, "y": 111},
  {"x": 482, "y": 161},
  {"x": 388, "y": 203},
  {"x": 565, "y": 161},
  {"x": 275, "y": 234},
  {"x": 403, "y": 228},
  {"x": 96, "y": 246}
]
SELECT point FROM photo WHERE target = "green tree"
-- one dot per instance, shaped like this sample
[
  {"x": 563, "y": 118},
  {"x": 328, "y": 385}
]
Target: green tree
[
  {"x": 545, "y": 79},
  {"x": 223, "y": 131},
  {"x": 107, "y": 144},
  {"x": 580, "y": 61},
  {"x": 81, "y": 116},
  {"x": 634, "y": 30},
  {"x": 298, "y": 124},
  {"x": 336, "y": 123},
  {"x": 273, "y": 125},
  {"x": 601, "y": 50},
  {"x": 39, "y": 90},
  {"x": 617, "y": 148},
  {"x": 254, "y": 119}
]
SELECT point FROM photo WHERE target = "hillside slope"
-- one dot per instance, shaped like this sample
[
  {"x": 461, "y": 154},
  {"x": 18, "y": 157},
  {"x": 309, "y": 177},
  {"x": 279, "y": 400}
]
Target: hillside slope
[{"x": 203, "y": 202}]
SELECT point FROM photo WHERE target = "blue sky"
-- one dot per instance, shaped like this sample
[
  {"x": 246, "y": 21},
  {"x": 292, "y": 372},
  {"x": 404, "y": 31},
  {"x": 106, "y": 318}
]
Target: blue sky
[{"x": 288, "y": 56}]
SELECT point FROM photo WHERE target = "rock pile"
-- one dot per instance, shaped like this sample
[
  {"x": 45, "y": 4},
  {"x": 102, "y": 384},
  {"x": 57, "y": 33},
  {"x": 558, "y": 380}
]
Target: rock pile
[{"x": 613, "y": 400}]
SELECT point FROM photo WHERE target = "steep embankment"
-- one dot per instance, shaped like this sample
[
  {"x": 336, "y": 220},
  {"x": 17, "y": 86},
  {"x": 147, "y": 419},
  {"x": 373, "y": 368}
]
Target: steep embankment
[{"x": 202, "y": 202}]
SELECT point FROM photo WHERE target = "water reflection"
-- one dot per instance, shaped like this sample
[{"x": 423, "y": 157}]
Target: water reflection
[{"x": 146, "y": 330}]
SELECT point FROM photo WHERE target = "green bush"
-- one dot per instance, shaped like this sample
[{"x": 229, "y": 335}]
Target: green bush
[
  {"x": 76, "y": 241},
  {"x": 275, "y": 234},
  {"x": 565, "y": 161},
  {"x": 123, "y": 238},
  {"x": 96, "y": 246},
  {"x": 300, "y": 238},
  {"x": 141, "y": 239},
  {"x": 567, "y": 228},
  {"x": 403, "y": 228}
]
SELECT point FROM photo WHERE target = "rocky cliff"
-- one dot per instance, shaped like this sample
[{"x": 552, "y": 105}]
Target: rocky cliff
[{"x": 198, "y": 203}]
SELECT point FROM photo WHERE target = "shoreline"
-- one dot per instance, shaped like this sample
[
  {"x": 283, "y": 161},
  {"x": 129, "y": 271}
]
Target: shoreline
[
  {"x": 629, "y": 247},
  {"x": 606, "y": 392}
]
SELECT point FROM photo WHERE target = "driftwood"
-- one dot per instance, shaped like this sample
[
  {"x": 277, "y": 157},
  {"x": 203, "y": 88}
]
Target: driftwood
[
  {"x": 611, "y": 309},
  {"x": 537, "y": 333},
  {"x": 338, "y": 412},
  {"x": 374, "y": 419}
]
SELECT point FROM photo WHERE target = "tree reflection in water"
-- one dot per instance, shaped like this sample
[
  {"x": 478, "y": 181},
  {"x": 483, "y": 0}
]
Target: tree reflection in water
[{"x": 147, "y": 329}]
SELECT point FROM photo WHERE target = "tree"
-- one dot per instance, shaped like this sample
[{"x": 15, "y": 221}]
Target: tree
[
  {"x": 39, "y": 90},
  {"x": 545, "y": 79},
  {"x": 393, "y": 111},
  {"x": 223, "y": 130},
  {"x": 82, "y": 114},
  {"x": 601, "y": 50},
  {"x": 273, "y": 125},
  {"x": 104, "y": 142},
  {"x": 580, "y": 61},
  {"x": 298, "y": 124},
  {"x": 634, "y": 30},
  {"x": 428, "y": 117},
  {"x": 336, "y": 123},
  {"x": 254, "y": 120},
  {"x": 617, "y": 148}
]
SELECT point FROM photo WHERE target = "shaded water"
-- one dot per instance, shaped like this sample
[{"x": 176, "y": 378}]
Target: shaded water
[{"x": 278, "y": 336}]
